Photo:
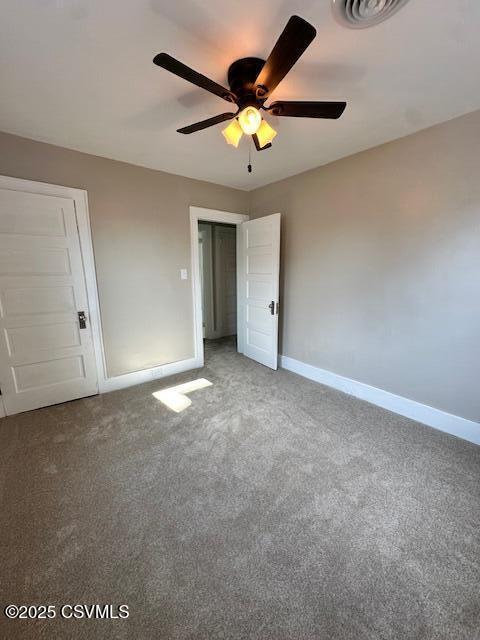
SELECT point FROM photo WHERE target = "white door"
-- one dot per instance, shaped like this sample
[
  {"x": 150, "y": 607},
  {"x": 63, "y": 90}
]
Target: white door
[
  {"x": 46, "y": 357},
  {"x": 258, "y": 263}
]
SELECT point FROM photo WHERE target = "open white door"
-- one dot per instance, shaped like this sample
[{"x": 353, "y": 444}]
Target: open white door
[{"x": 258, "y": 265}]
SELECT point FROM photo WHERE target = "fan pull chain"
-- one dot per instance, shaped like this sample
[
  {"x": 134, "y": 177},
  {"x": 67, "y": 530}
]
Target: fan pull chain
[{"x": 249, "y": 167}]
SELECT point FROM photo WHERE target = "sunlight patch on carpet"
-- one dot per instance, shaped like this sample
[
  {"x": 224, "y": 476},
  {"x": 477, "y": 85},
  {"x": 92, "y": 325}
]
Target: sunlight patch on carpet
[{"x": 175, "y": 397}]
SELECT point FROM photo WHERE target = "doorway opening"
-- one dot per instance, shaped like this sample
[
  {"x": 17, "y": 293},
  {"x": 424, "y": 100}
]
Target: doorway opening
[
  {"x": 217, "y": 253},
  {"x": 212, "y": 313},
  {"x": 235, "y": 282}
]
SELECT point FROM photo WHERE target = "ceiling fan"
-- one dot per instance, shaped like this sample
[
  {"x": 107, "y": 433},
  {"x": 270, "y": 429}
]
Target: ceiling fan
[{"x": 251, "y": 82}]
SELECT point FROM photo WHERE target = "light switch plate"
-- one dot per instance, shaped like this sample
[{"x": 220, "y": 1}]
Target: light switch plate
[{"x": 183, "y": 274}]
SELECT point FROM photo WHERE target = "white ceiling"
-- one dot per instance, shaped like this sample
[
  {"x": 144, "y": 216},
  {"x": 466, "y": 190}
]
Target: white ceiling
[{"x": 79, "y": 73}]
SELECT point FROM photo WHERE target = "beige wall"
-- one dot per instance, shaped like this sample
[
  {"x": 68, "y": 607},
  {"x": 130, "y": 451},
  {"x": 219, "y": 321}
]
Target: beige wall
[
  {"x": 381, "y": 265},
  {"x": 380, "y": 252},
  {"x": 141, "y": 238}
]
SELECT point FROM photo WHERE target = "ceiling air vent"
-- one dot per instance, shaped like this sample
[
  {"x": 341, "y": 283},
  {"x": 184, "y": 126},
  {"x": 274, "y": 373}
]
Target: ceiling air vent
[{"x": 359, "y": 14}]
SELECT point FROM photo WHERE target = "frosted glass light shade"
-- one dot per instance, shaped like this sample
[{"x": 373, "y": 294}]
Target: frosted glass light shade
[
  {"x": 265, "y": 133},
  {"x": 250, "y": 119},
  {"x": 233, "y": 133}
]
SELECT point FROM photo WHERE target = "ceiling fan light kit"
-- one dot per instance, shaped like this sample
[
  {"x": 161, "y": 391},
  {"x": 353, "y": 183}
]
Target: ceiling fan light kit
[{"x": 251, "y": 82}]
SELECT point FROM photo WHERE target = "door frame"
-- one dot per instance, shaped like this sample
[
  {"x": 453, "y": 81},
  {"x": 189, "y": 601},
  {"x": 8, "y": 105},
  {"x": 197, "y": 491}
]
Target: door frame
[
  {"x": 209, "y": 215},
  {"x": 80, "y": 200}
]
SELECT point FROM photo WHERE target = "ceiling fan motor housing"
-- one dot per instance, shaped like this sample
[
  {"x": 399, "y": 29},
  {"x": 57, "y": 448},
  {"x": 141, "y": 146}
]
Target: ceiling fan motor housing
[{"x": 241, "y": 80}]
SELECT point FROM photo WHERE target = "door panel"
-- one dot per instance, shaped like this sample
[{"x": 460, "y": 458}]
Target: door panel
[
  {"x": 21, "y": 341},
  {"x": 44, "y": 374},
  {"x": 20, "y": 260},
  {"x": 48, "y": 299},
  {"x": 29, "y": 216},
  {"x": 45, "y": 358},
  {"x": 258, "y": 273},
  {"x": 259, "y": 263}
]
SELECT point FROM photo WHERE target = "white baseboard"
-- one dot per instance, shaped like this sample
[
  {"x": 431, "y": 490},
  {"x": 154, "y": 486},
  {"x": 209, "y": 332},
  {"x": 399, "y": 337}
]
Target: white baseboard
[
  {"x": 455, "y": 425},
  {"x": 146, "y": 375}
]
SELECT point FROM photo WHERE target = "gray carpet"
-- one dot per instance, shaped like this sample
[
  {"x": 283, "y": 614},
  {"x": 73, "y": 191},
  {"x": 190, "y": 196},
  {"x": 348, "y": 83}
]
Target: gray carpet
[{"x": 271, "y": 508}]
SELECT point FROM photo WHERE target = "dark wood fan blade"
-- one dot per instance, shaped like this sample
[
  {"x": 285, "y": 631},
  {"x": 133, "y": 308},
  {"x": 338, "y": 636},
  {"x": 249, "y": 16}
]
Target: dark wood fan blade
[
  {"x": 179, "y": 69},
  {"x": 331, "y": 110},
  {"x": 257, "y": 143},
  {"x": 293, "y": 41},
  {"x": 198, "y": 126}
]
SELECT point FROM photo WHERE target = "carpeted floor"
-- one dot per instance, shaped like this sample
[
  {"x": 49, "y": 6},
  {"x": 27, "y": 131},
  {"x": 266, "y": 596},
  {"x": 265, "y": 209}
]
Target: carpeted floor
[{"x": 272, "y": 508}]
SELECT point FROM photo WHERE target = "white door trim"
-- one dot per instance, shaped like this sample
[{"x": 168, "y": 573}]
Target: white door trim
[
  {"x": 79, "y": 196},
  {"x": 209, "y": 215}
]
